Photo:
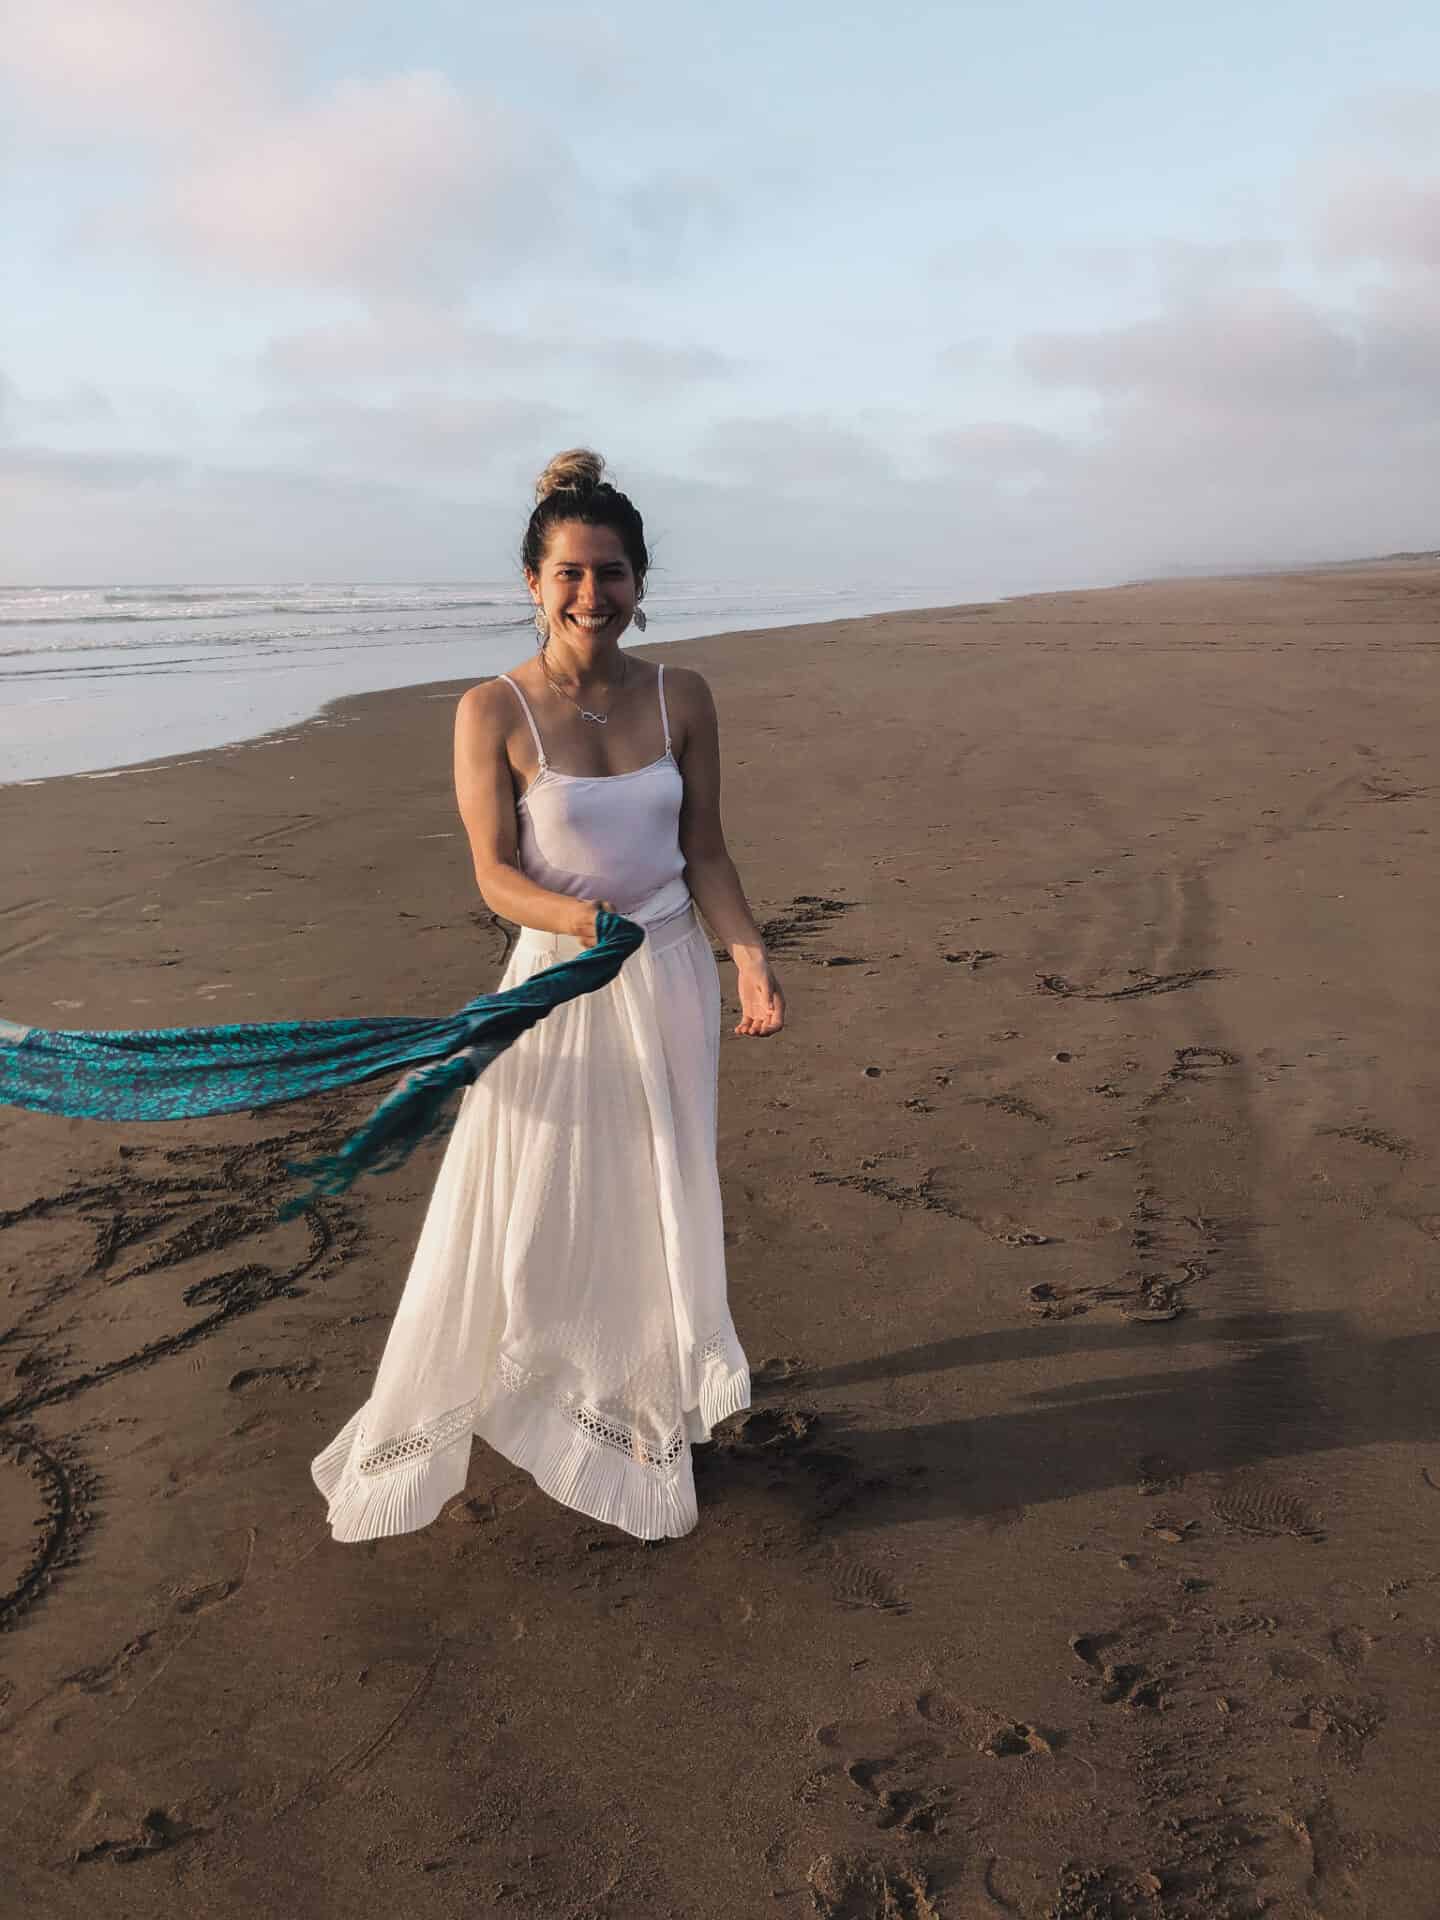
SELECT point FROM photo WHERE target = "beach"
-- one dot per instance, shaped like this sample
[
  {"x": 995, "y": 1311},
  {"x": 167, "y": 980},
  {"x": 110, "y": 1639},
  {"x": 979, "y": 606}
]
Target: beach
[
  {"x": 1080, "y": 1554},
  {"x": 94, "y": 678}
]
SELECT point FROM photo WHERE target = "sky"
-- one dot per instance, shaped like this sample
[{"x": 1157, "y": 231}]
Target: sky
[{"x": 973, "y": 295}]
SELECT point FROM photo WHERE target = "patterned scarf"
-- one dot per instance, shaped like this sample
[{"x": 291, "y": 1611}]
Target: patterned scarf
[{"x": 176, "y": 1073}]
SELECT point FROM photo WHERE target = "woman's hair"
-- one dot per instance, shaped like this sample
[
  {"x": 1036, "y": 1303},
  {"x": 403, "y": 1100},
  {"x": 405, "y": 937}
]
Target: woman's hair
[{"x": 573, "y": 487}]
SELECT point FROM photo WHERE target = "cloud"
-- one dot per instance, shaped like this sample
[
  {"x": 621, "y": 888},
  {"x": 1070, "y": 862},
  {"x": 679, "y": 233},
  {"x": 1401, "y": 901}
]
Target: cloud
[
  {"x": 1000, "y": 449},
  {"x": 798, "y": 453},
  {"x": 396, "y": 185},
  {"x": 79, "y": 403},
  {"x": 989, "y": 254},
  {"x": 419, "y": 431},
  {"x": 409, "y": 341},
  {"x": 155, "y": 69},
  {"x": 1250, "y": 425},
  {"x": 1395, "y": 222},
  {"x": 28, "y": 470},
  {"x": 1252, "y": 345},
  {"x": 1175, "y": 265},
  {"x": 965, "y": 356},
  {"x": 1240, "y": 406},
  {"x": 397, "y": 182},
  {"x": 583, "y": 51},
  {"x": 111, "y": 517},
  {"x": 386, "y": 185}
]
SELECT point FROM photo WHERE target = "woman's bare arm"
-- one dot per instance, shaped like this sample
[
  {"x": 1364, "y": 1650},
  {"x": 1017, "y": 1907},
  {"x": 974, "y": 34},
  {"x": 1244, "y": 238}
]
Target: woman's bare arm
[
  {"x": 486, "y": 794},
  {"x": 709, "y": 870}
]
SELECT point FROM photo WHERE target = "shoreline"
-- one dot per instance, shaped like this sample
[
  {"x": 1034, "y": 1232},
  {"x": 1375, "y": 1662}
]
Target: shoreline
[
  {"x": 93, "y": 708},
  {"x": 331, "y": 711},
  {"x": 1081, "y": 1229}
]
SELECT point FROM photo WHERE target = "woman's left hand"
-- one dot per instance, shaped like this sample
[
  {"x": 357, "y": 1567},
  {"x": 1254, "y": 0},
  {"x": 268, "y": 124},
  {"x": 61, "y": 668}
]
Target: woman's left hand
[{"x": 762, "y": 1003}]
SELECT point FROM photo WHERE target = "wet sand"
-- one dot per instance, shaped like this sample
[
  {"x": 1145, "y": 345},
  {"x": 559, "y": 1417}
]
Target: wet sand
[{"x": 1080, "y": 1556}]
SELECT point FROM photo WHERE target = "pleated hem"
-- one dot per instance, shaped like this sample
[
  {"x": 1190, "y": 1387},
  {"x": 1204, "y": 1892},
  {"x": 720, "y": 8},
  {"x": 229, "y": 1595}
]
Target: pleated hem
[
  {"x": 602, "y": 1482},
  {"x": 599, "y": 1481},
  {"x": 364, "y": 1506},
  {"x": 724, "y": 1390}
]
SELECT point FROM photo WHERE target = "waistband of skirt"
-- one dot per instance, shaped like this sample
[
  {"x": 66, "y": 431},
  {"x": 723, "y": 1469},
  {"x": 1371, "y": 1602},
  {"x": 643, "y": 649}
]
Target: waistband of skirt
[{"x": 668, "y": 917}]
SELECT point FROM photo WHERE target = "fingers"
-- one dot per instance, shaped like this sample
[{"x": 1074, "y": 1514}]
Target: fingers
[
  {"x": 762, "y": 1004},
  {"x": 760, "y": 1023},
  {"x": 591, "y": 935}
]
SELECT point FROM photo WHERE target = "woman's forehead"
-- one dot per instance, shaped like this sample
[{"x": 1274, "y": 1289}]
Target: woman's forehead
[{"x": 574, "y": 542}]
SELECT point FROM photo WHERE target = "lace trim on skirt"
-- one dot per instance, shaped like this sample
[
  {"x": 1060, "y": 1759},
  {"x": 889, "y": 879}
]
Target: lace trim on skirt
[
  {"x": 599, "y": 1428},
  {"x": 421, "y": 1442}
]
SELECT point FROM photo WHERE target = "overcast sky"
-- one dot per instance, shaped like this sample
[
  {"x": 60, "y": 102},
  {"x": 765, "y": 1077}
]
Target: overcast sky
[{"x": 971, "y": 293}]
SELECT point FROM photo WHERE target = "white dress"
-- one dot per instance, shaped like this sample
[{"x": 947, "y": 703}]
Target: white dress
[{"x": 567, "y": 1296}]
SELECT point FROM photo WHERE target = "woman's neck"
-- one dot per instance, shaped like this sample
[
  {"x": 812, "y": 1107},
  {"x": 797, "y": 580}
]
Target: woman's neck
[{"x": 594, "y": 666}]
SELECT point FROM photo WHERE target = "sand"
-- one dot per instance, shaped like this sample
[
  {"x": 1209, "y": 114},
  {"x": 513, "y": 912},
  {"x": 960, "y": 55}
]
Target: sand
[{"x": 1079, "y": 1556}]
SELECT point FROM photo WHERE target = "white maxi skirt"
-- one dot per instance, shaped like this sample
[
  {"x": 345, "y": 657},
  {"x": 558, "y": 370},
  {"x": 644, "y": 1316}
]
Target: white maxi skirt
[{"x": 567, "y": 1296}]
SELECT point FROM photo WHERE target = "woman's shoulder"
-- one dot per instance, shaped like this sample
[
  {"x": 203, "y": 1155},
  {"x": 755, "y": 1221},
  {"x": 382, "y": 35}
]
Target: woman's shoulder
[
  {"x": 685, "y": 680},
  {"x": 487, "y": 707},
  {"x": 687, "y": 691}
]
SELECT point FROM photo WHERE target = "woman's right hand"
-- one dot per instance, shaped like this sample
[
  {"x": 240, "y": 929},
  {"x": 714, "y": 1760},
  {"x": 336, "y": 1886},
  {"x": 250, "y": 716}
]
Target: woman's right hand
[{"x": 587, "y": 915}]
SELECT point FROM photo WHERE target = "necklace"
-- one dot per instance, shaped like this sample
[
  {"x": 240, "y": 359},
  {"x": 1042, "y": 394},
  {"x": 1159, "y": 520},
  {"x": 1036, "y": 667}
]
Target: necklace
[{"x": 600, "y": 719}]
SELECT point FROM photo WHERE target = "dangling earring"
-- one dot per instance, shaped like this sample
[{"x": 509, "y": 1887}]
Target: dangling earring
[
  {"x": 638, "y": 620},
  {"x": 542, "y": 628}
]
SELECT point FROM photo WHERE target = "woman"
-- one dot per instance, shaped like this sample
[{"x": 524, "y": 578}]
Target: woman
[{"x": 567, "y": 1297}]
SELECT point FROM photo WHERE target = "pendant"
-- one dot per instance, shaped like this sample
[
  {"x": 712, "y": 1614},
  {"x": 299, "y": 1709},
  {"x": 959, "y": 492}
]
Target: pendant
[{"x": 600, "y": 719}]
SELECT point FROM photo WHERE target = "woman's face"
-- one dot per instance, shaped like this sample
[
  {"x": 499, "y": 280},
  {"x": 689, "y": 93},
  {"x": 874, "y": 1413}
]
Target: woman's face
[{"x": 586, "y": 584}]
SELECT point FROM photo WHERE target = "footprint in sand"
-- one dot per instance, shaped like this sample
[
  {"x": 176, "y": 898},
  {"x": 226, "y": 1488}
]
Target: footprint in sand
[
  {"x": 855, "y": 1584},
  {"x": 1124, "y": 1683},
  {"x": 1340, "y": 1725},
  {"x": 778, "y": 1371},
  {"x": 1352, "y": 1647},
  {"x": 768, "y": 1430},
  {"x": 158, "y": 1832},
  {"x": 1252, "y": 1504},
  {"x": 303, "y": 1375},
  {"x": 1016, "y": 1737},
  {"x": 862, "y": 1887}
]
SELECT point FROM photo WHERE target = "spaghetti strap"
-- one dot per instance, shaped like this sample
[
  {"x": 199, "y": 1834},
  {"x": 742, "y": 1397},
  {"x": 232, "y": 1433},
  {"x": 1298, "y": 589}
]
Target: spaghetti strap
[
  {"x": 664, "y": 716},
  {"x": 530, "y": 719}
]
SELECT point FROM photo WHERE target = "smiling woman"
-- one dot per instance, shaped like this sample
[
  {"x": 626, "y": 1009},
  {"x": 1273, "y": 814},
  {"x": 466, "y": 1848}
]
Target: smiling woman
[
  {"x": 567, "y": 1300},
  {"x": 570, "y": 494}
]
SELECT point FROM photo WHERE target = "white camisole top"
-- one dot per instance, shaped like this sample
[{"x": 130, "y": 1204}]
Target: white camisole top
[{"x": 607, "y": 836}]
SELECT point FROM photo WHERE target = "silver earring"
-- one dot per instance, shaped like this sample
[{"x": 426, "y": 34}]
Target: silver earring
[
  {"x": 542, "y": 627},
  {"x": 640, "y": 622}
]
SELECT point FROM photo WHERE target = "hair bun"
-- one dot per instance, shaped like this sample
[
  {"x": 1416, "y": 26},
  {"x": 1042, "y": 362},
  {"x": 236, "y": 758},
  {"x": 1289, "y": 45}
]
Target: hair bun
[{"x": 577, "y": 470}]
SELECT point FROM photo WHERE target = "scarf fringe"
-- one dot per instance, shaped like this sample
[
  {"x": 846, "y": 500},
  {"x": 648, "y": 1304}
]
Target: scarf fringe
[{"x": 414, "y": 1111}]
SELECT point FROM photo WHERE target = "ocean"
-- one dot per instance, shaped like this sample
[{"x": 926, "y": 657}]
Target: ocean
[{"x": 95, "y": 677}]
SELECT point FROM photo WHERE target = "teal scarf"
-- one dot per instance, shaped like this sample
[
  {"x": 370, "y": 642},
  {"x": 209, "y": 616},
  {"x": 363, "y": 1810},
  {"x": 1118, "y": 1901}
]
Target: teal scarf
[{"x": 176, "y": 1073}]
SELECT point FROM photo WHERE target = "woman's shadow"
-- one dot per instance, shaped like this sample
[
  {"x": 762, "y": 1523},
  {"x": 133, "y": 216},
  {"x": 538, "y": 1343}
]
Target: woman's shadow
[{"x": 1290, "y": 1384}]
